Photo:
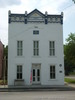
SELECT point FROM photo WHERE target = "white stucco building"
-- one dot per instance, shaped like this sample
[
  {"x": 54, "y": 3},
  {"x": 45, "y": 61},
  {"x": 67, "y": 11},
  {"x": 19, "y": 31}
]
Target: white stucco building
[{"x": 35, "y": 49}]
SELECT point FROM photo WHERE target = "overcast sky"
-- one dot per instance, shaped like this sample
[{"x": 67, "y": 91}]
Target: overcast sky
[{"x": 51, "y": 6}]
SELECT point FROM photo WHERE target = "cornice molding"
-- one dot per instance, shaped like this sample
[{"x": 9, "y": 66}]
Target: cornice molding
[{"x": 37, "y": 16}]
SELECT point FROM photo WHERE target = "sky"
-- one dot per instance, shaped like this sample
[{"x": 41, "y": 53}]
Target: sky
[{"x": 51, "y": 6}]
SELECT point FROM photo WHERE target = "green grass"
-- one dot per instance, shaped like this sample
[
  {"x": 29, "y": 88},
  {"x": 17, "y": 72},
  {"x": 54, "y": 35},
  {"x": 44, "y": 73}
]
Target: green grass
[
  {"x": 68, "y": 80},
  {"x": 2, "y": 82}
]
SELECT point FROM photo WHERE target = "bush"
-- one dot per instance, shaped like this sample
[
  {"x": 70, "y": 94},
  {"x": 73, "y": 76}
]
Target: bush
[
  {"x": 72, "y": 73},
  {"x": 2, "y": 82}
]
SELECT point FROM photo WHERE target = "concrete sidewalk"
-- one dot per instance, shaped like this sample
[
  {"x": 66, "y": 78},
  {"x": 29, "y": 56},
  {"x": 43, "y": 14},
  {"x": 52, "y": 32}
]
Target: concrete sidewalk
[
  {"x": 66, "y": 87},
  {"x": 70, "y": 77}
]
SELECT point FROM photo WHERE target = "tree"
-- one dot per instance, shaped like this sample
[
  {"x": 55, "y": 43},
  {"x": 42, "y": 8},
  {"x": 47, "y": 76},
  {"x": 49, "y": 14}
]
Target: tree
[
  {"x": 73, "y": 1},
  {"x": 69, "y": 52},
  {"x": 5, "y": 60},
  {"x": 6, "y": 51}
]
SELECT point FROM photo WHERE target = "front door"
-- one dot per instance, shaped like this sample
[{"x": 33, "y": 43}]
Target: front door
[{"x": 36, "y": 74}]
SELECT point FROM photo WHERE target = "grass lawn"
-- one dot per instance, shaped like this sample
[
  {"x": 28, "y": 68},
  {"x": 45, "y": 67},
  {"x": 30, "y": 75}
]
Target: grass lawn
[{"x": 68, "y": 80}]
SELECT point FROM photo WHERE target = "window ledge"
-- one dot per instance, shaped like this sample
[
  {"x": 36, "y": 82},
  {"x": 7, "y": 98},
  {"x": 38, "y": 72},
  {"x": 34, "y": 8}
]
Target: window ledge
[
  {"x": 52, "y": 56},
  {"x": 36, "y": 56},
  {"x": 52, "y": 79},
  {"x": 19, "y": 79},
  {"x": 19, "y": 82},
  {"x": 19, "y": 56}
]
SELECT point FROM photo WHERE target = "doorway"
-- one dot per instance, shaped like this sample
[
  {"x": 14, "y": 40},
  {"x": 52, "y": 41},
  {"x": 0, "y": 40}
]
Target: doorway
[{"x": 36, "y": 75}]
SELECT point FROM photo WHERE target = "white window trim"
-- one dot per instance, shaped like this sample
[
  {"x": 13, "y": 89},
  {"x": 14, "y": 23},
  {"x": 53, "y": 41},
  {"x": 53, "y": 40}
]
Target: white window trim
[
  {"x": 16, "y": 71},
  {"x": 17, "y": 48},
  {"x": 52, "y": 48},
  {"x": 55, "y": 71},
  {"x": 36, "y": 48}
]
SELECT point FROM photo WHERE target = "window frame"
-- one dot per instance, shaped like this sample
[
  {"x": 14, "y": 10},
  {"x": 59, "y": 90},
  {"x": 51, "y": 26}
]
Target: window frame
[
  {"x": 19, "y": 48},
  {"x": 53, "y": 72},
  {"x": 51, "y": 48},
  {"x": 19, "y": 73},
  {"x": 35, "y": 48},
  {"x": 35, "y": 32}
]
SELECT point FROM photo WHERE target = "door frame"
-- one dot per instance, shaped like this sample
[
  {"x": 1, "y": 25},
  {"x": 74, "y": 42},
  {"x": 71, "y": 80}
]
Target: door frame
[{"x": 36, "y": 66}]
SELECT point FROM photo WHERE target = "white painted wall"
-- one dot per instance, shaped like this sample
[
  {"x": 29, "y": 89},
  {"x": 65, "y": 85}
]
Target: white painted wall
[{"x": 21, "y": 31}]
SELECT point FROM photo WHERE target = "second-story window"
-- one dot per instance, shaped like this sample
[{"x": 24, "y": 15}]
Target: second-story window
[
  {"x": 52, "y": 48},
  {"x": 36, "y": 48},
  {"x": 19, "y": 48}
]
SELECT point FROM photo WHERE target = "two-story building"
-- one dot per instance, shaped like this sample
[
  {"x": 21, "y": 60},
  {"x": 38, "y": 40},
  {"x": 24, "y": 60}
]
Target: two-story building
[{"x": 35, "y": 49}]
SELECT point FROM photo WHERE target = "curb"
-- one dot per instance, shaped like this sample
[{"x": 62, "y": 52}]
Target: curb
[{"x": 27, "y": 89}]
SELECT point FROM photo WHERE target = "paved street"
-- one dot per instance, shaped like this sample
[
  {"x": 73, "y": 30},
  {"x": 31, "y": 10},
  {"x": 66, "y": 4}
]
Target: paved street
[{"x": 44, "y": 95}]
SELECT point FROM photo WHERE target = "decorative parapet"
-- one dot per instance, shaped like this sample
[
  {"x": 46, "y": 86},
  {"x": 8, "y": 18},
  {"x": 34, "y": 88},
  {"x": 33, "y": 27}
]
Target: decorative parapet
[
  {"x": 61, "y": 17},
  {"x": 25, "y": 18},
  {"x": 35, "y": 17},
  {"x": 9, "y": 13},
  {"x": 46, "y": 18}
]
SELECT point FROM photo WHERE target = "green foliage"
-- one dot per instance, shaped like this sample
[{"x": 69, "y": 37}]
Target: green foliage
[
  {"x": 68, "y": 80},
  {"x": 73, "y": 1},
  {"x": 2, "y": 82},
  {"x": 71, "y": 38},
  {"x": 6, "y": 51},
  {"x": 6, "y": 58},
  {"x": 69, "y": 52},
  {"x": 72, "y": 73}
]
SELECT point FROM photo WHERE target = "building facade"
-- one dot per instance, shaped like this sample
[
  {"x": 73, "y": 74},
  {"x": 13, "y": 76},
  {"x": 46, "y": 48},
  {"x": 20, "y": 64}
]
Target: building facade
[
  {"x": 1, "y": 59},
  {"x": 35, "y": 49}
]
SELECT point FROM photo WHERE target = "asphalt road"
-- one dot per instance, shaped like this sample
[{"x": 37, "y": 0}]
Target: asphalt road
[{"x": 44, "y": 95}]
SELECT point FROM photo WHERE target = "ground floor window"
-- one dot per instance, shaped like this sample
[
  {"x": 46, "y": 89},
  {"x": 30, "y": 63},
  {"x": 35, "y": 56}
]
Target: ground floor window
[
  {"x": 19, "y": 71},
  {"x": 52, "y": 72}
]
